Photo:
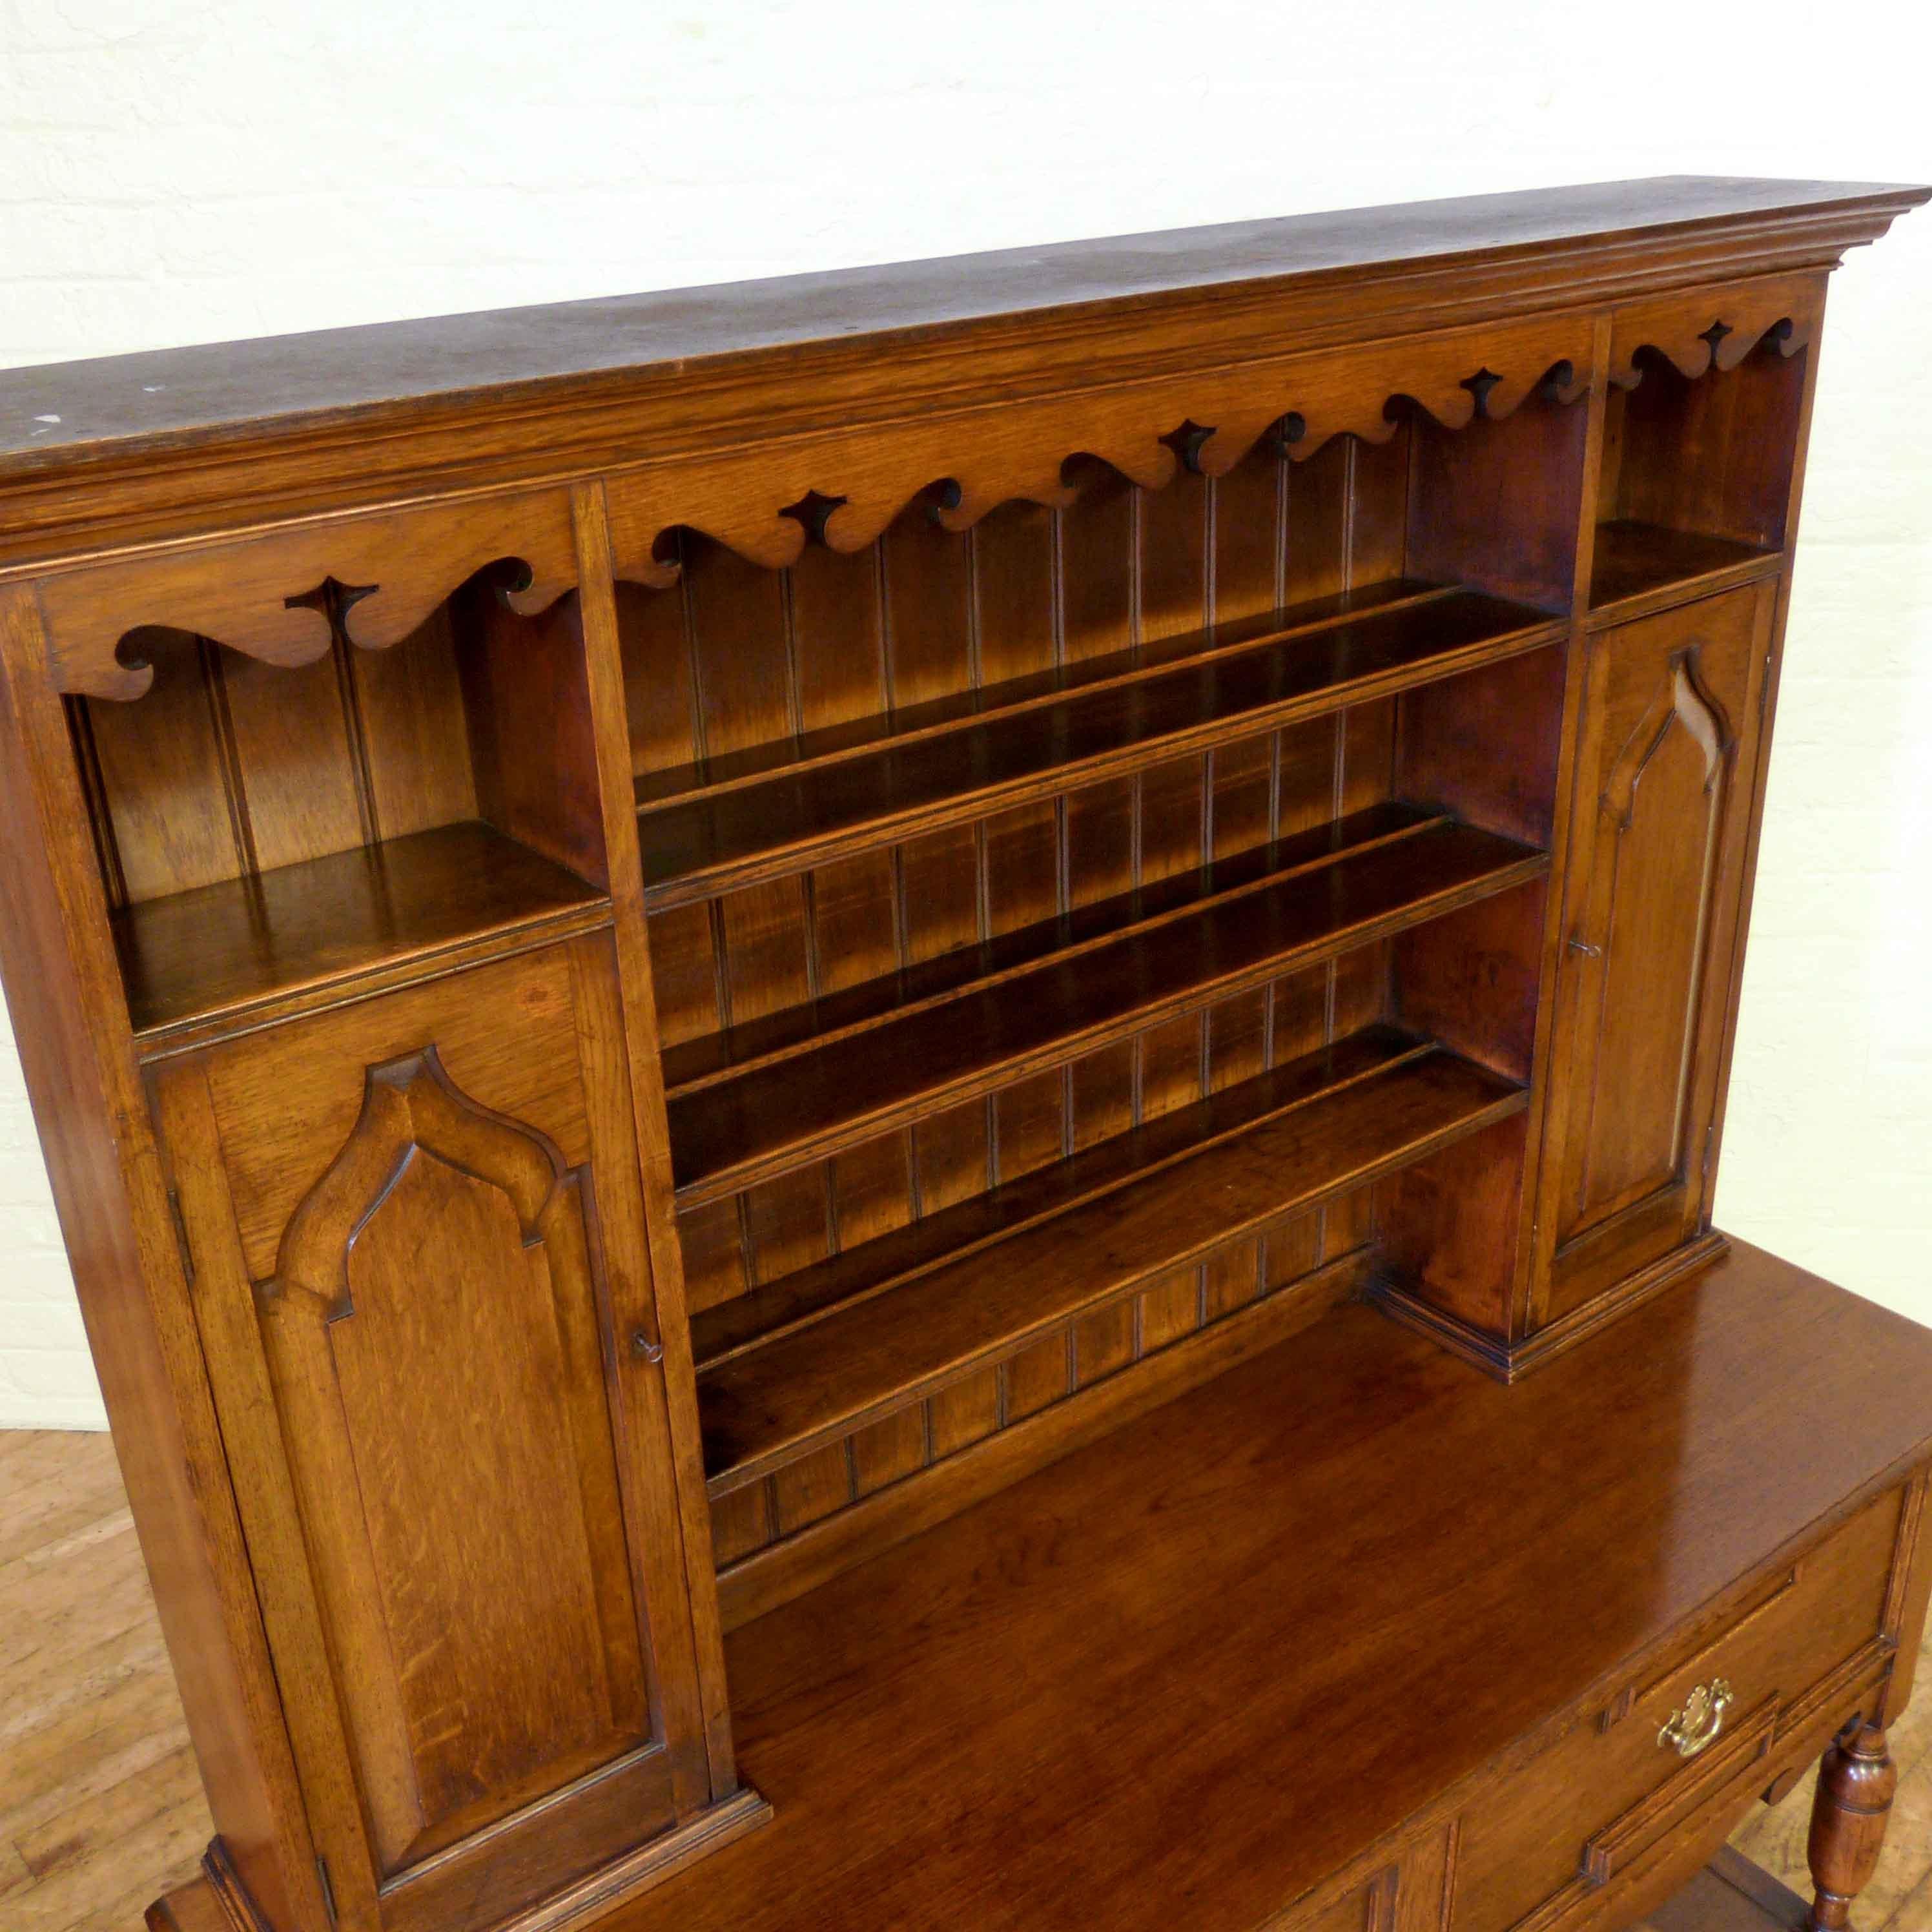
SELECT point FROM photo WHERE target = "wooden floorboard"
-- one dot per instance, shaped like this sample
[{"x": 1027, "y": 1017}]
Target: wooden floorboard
[{"x": 101, "y": 1806}]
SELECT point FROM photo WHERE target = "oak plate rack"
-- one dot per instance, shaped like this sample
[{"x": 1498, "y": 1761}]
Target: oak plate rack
[{"x": 834, "y": 1004}]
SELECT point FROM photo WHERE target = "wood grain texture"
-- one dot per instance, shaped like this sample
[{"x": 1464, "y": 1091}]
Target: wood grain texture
[
  {"x": 258, "y": 596},
  {"x": 765, "y": 505},
  {"x": 668, "y": 1489},
  {"x": 771, "y": 1402},
  {"x": 1670, "y": 748},
  {"x": 534, "y": 343},
  {"x": 1700, "y": 332},
  {"x": 1635, "y": 560},
  {"x": 78, "y": 1057},
  {"x": 956, "y": 1232},
  {"x": 1026, "y": 844},
  {"x": 711, "y": 845},
  {"x": 100, "y": 1783},
  {"x": 955, "y": 1629},
  {"x": 240, "y": 952},
  {"x": 775, "y": 1117},
  {"x": 415, "y": 1200}
]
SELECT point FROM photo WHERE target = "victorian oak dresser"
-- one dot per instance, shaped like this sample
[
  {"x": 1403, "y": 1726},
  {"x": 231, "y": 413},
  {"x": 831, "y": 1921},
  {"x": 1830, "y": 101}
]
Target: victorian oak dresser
[{"x": 889, "y": 1100}]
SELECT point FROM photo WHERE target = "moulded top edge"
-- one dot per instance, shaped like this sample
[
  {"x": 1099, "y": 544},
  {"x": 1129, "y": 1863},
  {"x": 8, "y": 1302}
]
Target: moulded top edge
[{"x": 123, "y": 405}]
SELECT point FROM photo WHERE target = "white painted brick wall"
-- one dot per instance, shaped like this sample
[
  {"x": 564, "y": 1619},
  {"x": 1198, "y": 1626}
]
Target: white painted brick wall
[{"x": 174, "y": 171}]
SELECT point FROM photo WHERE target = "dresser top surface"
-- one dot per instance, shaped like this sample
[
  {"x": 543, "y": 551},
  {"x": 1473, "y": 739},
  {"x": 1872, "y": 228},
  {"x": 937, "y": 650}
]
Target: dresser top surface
[
  {"x": 154, "y": 400},
  {"x": 1219, "y": 1654}
]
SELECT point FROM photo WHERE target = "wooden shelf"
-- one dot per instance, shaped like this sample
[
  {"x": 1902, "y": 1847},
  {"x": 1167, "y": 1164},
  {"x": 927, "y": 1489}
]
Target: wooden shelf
[
  {"x": 780, "y": 1115},
  {"x": 781, "y": 809},
  {"x": 768, "y": 1405},
  {"x": 695, "y": 1064},
  {"x": 1636, "y": 560},
  {"x": 247, "y": 950},
  {"x": 837, "y": 744},
  {"x": 892, "y": 1260}
]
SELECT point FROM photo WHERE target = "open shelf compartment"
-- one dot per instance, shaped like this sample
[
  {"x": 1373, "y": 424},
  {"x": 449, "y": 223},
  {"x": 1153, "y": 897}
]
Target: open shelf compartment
[
  {"x": 1255, "y": 1155},
  {"x": 245, "y": 947},
  {"x": 360, "y": 819},
  {"x": 1634, "y": 560},
  {"x": 1194, "y": 939},
  {"x": 785, "y": 809},
  {"x": 1696, "y": 486}
]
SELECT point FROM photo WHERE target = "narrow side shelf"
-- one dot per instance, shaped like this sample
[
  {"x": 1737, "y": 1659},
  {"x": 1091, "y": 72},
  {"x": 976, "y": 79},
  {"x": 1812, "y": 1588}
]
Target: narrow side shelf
[
  {"x": 1007, "y": 745},
  {"x": 771, "y": 1403},
  {"x": 250, "y": 949},
  {"x": 781, "y": 1114},
  {"x": 1636, "y": 561}
]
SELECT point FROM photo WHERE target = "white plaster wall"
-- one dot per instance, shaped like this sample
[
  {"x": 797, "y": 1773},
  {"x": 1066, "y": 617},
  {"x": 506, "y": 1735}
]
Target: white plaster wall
[{"x": 172, "y": 172}]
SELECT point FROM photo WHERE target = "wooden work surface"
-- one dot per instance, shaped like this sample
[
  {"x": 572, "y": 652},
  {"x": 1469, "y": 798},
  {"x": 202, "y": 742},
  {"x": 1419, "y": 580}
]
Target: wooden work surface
[{"x": 1092, "y": 1699}]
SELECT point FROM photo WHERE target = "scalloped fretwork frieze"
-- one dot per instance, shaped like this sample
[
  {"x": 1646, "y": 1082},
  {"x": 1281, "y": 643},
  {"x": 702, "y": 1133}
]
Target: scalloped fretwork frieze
[
  {"x": 1714, "y": 328},
  {"x": 842, "y": 488},
  {"x": 280, "y": 596}
]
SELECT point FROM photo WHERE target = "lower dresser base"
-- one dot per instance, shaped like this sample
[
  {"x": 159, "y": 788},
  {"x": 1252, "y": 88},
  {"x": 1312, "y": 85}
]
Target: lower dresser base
[{"x": 1410, "y": 1658}]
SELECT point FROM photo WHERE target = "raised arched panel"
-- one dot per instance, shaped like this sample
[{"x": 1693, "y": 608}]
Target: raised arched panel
[
  {"x": 1664, "y": 769},
  {"x": 1660, "y": 812},
  {"x": 415, "y": 1226},
  {"x": 432, "y": 1336}
]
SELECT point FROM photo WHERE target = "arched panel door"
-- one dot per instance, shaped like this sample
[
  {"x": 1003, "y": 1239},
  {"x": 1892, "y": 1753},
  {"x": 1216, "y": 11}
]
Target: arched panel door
[
  {"x": 419, "y": 1268},
  {"x": 1665, "y": 763}
]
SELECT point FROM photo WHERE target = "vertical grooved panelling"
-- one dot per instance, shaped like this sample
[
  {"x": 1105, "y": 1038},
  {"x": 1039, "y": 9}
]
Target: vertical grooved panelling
[
  {"x": 1171, "y": 816},
  {"x": 928, "y": 626},
  {"x": 717, "y": 1265},
  {"x": 415, "y": 729},
  {"x": 163, "y": 777},
  {"x": 872, "y": 1189},
  {"x": 1097, "y": 552},
  {"x": 234, "y": 792},
  {"x": 922, "y": 614},
  {"x": 293, "y": 758},
  {"x": 232, "y": 766},
  {"x": 1085, "y": 1350},
  {"x": 788, "y": 1222},
  {"x": 350, "y": 698}
]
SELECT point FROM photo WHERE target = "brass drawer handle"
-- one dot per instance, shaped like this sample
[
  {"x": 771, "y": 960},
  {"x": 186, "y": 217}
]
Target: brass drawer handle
[{"x": 1695, "y": 1728}]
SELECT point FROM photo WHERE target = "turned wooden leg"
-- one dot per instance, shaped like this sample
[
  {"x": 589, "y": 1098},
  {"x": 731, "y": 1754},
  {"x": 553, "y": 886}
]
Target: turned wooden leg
[{"x": 1855, "y": 1782}]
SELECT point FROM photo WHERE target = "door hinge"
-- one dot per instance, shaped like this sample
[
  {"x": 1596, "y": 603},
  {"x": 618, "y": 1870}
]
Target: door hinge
[
  {"x": 327, "y": 1890},
  {"x": 1710, "y": 1134},
  {"x": 181, "y": 1236}
]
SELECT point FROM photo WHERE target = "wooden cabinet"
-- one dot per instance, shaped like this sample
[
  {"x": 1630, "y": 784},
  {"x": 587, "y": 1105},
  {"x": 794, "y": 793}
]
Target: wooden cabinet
[
  {"x": 415, "y": 1227},
  {"x": 934, "y": 1058},
  {"x": 1667, "y": 760}
]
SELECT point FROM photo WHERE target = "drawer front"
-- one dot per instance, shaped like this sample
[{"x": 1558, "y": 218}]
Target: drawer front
[
  {"x": 1405, "y": 1891},
  {"x": 1599, "y": 1809},
  {"x": 414, "y": 1228}
]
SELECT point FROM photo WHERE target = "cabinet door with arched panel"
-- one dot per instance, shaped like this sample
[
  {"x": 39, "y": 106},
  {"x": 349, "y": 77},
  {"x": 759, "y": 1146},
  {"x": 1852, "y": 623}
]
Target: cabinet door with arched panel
[
  {"x": 415, "y": 1227},
  {"x": 1665, "y": 767}
]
